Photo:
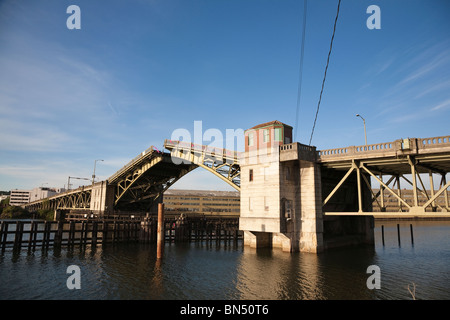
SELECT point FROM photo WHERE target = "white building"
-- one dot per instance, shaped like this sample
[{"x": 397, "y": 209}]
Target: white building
[
  {"x": 19, "y": 197},
  {"x": 41, "y": 193}
]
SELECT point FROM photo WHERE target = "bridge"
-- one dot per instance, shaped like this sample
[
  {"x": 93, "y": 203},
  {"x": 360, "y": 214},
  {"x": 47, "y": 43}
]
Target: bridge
[
  {"x": 292, "y": 195},
  {"x": 388, "y": 164},
  {"x": 140, "y": 184}
]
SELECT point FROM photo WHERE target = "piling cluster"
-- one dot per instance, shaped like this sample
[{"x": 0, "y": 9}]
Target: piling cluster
[{"x": 36, "y": 233}]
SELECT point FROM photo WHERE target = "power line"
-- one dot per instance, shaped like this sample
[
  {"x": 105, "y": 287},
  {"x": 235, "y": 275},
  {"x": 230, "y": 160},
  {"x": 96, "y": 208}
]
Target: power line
[
  {"x": 326, "y": 68},
  {"x": 305, "y": 3}
]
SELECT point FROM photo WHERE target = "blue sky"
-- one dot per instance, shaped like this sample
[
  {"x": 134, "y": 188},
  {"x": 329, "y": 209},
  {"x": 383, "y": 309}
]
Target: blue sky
[{"x": 138, "y": 70}]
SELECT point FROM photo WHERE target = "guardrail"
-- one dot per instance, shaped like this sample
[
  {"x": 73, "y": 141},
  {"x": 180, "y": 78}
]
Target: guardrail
[
  {"x": 215, "y": 151},
  {"x": 378, "y": 147},
  {"x": 436, "y": 142},
  {"x": 295, "y": 150},
  {"x": 386, "y": 148},
  {"x": 131, "y": 163}
]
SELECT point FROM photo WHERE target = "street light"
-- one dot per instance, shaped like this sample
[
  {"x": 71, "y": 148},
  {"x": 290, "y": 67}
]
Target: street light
[
  {"x": 68, "y": 181},
  {"x": 95, "y": 164},
  {"x": 365, "y": 134}
]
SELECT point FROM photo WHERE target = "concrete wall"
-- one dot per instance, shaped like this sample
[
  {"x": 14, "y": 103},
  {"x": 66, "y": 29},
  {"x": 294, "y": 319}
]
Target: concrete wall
[
  {"x": 102, "y": 198},
  {"x": 311, "y": 233},
  {"x": 282, "y": 192},
  {"x": 281, "y": 205},
  {"x": 260, "y": 198}
]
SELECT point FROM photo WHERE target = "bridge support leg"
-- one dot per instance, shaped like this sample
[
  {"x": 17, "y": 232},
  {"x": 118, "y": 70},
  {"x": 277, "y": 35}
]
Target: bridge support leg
[
  {"x": 255, "y": 239},
  {"x": 160, "y": 232},
  {"x": 311, "y": 223}
]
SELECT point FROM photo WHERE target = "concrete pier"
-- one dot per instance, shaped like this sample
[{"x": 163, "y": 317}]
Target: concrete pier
[{"x": 281, "y": 196}]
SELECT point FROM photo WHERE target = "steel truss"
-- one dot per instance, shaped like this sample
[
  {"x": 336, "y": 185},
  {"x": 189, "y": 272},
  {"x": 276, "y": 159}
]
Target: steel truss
[
  {"x": 74, "y": 199},
  {"x": 220, "y": 162},
  {"x": 140, "y": 183},
  {"x": 394, "y": 170}
]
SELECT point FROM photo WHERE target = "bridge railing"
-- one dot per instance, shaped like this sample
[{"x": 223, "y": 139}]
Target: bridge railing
[
  {"x": 297, "y": 151},
  {"x": 355, "y": 150},
  {"x": 131, "y": 163},
  {"x": 419, "y": 145},
  {"x": 215, "y": 151},
  {"x": 435, "y": 142}
]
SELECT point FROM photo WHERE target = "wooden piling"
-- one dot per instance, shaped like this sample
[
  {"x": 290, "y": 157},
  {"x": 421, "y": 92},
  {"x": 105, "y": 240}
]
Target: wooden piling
[
  {"x": 114, "y": 236},
  {"x": 5, "y": 226},
  {"x": 105, "y": 232},
  {"x": 412, "y": 235},
  {"x": 94, "y": 233},
  {"x": 398, "y": 234},
  {"x": 32, "y": 234},
  {"x": 46, "y": 235},
  {"x": 58, "y": 234},
  {"x": 160, "y": 232},
  {"x": 71, "y": 233},
  {"x": 156, "y": 230},
  {"x": 382, "y": 234},
  {"x": 18, "y": 235}
]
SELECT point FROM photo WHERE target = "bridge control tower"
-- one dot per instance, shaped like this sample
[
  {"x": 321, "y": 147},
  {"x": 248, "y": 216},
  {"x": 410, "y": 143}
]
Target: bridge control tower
[{"x": 281, "y": 192}]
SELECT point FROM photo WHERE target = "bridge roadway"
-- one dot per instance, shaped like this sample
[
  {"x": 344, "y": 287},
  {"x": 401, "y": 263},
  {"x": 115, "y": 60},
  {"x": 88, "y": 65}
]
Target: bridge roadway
[{"x": 140, "y": 183}]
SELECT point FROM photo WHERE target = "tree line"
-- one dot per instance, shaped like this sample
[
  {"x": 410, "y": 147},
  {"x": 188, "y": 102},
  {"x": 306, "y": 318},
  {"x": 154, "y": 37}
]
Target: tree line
[{"x": 15, "y": 212}]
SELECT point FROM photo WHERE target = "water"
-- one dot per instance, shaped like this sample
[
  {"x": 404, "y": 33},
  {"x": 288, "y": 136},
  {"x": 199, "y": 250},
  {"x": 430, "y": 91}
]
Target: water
[{"x": 194, "y": 271}]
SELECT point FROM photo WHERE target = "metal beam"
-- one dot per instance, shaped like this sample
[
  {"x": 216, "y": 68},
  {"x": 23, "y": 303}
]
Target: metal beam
[
  {"x": 444, "y": 188},
  {"x": 339, "y": 184},
  {"x": 387, "y": 188}
]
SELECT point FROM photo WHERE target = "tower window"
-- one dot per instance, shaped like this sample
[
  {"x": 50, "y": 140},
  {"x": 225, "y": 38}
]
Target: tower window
[
  {"x": 278, "y": 136},
  {"x": 266, "y": 137},
  {"x": 250, "y": 139}
]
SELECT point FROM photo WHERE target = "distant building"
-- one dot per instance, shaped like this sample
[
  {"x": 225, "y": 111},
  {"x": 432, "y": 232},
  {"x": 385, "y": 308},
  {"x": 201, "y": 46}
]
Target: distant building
[
  {"x": 202, "y": 203},
  {"x": 42, "y": 193},
  {"x": 19, "y": 197}
]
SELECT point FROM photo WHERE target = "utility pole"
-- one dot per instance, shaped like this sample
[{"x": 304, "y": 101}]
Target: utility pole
[
  {"x": 68, "y": 181},
  {"x": 365, "y": 134},
  {"x": 93, "y": 175}
]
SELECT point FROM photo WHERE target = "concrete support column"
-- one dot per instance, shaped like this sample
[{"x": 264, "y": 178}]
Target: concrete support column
[
  {"x": 258, "y": 239},
  {"x": 102, "y": 197},
  {"x": 311, "y": 226}
]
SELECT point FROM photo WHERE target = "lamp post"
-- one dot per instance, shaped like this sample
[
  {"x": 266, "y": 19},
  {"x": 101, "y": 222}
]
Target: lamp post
[
  {"x": 365, "y": 134},
  {"x": 95, "y": 164},
  {"x": 68, "y": 181}
]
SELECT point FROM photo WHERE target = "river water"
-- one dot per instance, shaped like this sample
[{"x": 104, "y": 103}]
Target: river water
[{"x": 206, "y": 271}]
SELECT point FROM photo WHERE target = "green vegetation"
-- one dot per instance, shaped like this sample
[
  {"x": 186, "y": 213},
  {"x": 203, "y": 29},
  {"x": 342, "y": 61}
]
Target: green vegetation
[
  {"x": 13, "y": 212},
  {"x": 45, "y": 214},
  {"x": 3, "y": 204}
]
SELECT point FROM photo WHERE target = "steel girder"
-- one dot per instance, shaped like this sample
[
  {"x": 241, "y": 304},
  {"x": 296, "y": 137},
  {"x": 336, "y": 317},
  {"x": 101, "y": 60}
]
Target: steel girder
[
  {"x": 75, "y": 199},
  {"x": 220, "y": 162},
  {"x": 388, "y": 173},
  {"x": 145, "y": 180}
]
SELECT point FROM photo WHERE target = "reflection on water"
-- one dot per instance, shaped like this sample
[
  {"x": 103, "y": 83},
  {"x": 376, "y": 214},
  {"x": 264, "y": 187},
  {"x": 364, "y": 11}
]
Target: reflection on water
[{"x": 206, "y": 271}]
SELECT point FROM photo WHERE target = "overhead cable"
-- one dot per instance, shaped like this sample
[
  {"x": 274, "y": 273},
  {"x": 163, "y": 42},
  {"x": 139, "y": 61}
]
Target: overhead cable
[{"x": 326, "y": 68}]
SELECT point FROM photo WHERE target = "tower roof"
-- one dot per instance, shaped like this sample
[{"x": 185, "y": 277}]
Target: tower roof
[{"x": 269, "y": 124}]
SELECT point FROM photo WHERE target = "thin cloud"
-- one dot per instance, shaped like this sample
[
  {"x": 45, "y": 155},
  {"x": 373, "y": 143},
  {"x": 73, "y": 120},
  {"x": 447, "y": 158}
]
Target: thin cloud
[
  {"x": 442, "y": 105},
  {"x": 433, "y": 88}
]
